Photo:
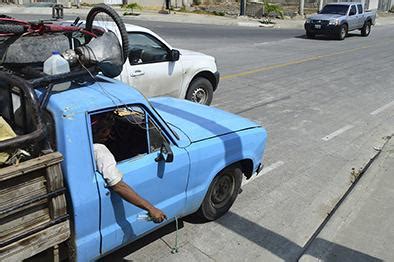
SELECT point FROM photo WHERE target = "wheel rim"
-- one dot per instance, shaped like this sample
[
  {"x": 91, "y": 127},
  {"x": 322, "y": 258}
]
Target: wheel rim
[
  {"x": 200, "y": 96},
  {"x": 222, "y": 191},
  {"x": 368, "y": 29}
]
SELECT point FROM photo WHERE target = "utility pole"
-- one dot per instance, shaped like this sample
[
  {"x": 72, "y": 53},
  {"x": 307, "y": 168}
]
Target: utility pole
[
  {"x": 320, "y": 5},
  {"x": 301, "y": 11},
  {"x": 242, "y": 7}
]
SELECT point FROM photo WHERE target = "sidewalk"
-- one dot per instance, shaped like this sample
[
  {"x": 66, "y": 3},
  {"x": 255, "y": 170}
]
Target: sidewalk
[
  {"x": 179, "y": 17},
  {"x": 362, "y": 229}
]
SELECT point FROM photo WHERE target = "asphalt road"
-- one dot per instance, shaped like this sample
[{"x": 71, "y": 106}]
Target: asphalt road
[
  {"x": 199, "y": 37},
  {"x": 325, "y": 104}
]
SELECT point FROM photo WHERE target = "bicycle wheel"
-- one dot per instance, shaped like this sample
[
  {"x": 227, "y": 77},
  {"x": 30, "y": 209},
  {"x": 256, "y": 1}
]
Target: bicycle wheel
[{"x": 105, "y": 17}]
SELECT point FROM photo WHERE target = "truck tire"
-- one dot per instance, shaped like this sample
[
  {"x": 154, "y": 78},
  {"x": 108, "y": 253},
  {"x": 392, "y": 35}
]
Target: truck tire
[
  {"x": 366, "y": 30},
  {"x": 221, "y": 194},
  {"x": 97, "y": 13},
  {"x": 310, "y": 35},
  {"x": 342, "y": 32},
  {"x": 200, "y": 91}
]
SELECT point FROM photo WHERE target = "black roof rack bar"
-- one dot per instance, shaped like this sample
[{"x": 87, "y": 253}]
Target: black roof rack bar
[
  {"x": 31, "y": 101},
  {"x": 61, "y": 78},
  {"x": 35, "y": 105}
]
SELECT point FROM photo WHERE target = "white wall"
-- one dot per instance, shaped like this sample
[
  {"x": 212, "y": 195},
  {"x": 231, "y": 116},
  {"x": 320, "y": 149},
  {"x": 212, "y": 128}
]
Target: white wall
[{"x": 373, "y": 4}]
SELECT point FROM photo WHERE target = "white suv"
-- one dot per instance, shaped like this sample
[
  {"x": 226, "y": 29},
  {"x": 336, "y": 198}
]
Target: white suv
[{"x": 156, "y": 69}]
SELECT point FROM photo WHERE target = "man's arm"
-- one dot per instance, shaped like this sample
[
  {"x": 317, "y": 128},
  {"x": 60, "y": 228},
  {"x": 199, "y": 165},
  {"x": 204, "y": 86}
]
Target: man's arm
[
  {"x": 132, "y": 197},
  {"x": 106, "y": 165}
]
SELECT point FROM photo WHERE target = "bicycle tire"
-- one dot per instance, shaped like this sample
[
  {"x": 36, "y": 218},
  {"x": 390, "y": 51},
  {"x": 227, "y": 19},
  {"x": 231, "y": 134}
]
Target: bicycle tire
[
  {"x": 11, "y": 29},
  {"x": 102, "y": 8}
]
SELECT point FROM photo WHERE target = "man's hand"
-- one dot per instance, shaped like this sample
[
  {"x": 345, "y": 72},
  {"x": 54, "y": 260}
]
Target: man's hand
[
  {"x": 157, "y": 215},
  {"x": 129, "y": 195}
]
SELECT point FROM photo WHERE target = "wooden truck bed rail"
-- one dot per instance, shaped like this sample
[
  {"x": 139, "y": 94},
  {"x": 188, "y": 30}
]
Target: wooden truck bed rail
[{"x": 33, "y": 211}]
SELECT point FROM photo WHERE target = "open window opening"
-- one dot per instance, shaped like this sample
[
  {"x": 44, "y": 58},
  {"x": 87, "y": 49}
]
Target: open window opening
[
  {"x": 127, "y": 132},
  {"x": 146, "y": 49}
]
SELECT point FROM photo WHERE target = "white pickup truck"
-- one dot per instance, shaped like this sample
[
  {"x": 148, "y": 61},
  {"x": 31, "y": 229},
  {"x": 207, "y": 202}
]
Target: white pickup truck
[{"x": 156, "y": 69}]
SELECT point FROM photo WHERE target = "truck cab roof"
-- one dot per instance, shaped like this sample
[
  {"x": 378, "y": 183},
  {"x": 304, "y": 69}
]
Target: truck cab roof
[{"x": 103, "y": 93}]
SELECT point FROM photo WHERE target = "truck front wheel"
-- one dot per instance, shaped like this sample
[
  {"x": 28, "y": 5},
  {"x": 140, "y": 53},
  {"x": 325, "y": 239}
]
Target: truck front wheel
[
  {"x": 200, "y": 91},
  {"x": 342, "y": 32},
  {"x": 221, "y": 194},
  {"x": 366, "y": 29}
]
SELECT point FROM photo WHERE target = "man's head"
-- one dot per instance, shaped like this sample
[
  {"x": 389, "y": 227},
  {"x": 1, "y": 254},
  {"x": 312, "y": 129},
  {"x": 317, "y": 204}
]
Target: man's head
[{"x": 101, "y": 128}]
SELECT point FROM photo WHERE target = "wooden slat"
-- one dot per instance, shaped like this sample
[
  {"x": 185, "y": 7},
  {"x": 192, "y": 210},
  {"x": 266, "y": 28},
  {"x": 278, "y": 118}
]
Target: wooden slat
[
  {"x": 19, "y": 193},
  {"x": 36, "y": 243},
  {"x": 54, "y": 177},
  {"x": 24, "y": 209},
  {"x": 58, "y": 206},
  {"x": 24, "y": 223},
  {"x": 30, "y": 165}
]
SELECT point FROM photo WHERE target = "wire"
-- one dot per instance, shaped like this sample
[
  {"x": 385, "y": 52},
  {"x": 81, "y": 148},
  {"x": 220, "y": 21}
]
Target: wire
[
  {"x": 142, "y": 125},
  {"x": 136, "y": 121}
]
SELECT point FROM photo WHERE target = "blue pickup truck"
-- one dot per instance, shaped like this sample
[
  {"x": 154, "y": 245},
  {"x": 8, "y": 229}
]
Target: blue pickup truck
[
  {"x": 337, "y": 19},
  {"x": 183, "y": 157}
]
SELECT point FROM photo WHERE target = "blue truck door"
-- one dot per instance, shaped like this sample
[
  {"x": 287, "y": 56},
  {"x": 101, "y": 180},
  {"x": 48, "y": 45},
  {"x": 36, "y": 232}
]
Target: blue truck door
[{"x": 161, "y": 183}]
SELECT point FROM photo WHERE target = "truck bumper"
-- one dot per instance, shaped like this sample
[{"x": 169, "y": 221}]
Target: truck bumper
[{"x": 323, "y": 30}]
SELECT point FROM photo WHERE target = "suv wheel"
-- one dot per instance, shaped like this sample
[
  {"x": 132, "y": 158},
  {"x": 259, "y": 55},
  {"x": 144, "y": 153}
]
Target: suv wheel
[
  {"x": 342, "y": 32},
  {"x": 200, "y": 91}
]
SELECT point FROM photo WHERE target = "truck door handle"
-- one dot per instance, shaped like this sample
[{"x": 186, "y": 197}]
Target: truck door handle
[{"x": 137, "y": 73}]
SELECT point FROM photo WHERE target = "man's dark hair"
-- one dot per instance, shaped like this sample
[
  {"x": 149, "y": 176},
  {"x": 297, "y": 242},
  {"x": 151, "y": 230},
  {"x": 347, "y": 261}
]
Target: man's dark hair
[{"x": 100, "y": 122}]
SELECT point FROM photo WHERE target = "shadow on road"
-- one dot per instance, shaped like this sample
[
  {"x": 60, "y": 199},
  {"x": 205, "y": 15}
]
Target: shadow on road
[
  {"x": 267, "y": 239},
  {"x": 285, "y": 248},
  {"x": 326, "y": 37},
  {"x": 119, "y": 254}
]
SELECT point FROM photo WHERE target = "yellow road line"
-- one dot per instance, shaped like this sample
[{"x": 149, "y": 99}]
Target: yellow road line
[{"x": 294, "y": 62}]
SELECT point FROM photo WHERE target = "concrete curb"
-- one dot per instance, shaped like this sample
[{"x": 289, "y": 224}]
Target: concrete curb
[{"x": 340, "y": 236}]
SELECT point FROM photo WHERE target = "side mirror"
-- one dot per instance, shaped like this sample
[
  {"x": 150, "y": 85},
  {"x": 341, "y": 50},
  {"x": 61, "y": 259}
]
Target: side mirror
[
  {"x": 352, "y": 13},
  {"x": 165, "y": 153},
  {"x": 174, "y": 55}
]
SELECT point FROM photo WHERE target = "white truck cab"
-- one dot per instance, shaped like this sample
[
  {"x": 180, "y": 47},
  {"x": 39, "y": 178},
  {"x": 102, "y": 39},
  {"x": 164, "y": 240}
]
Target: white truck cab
[{"x": 156, "y": 69}]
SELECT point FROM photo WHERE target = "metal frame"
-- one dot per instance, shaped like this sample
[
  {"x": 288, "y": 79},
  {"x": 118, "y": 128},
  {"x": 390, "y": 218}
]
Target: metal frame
[{"x": 34, "y": 104}]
